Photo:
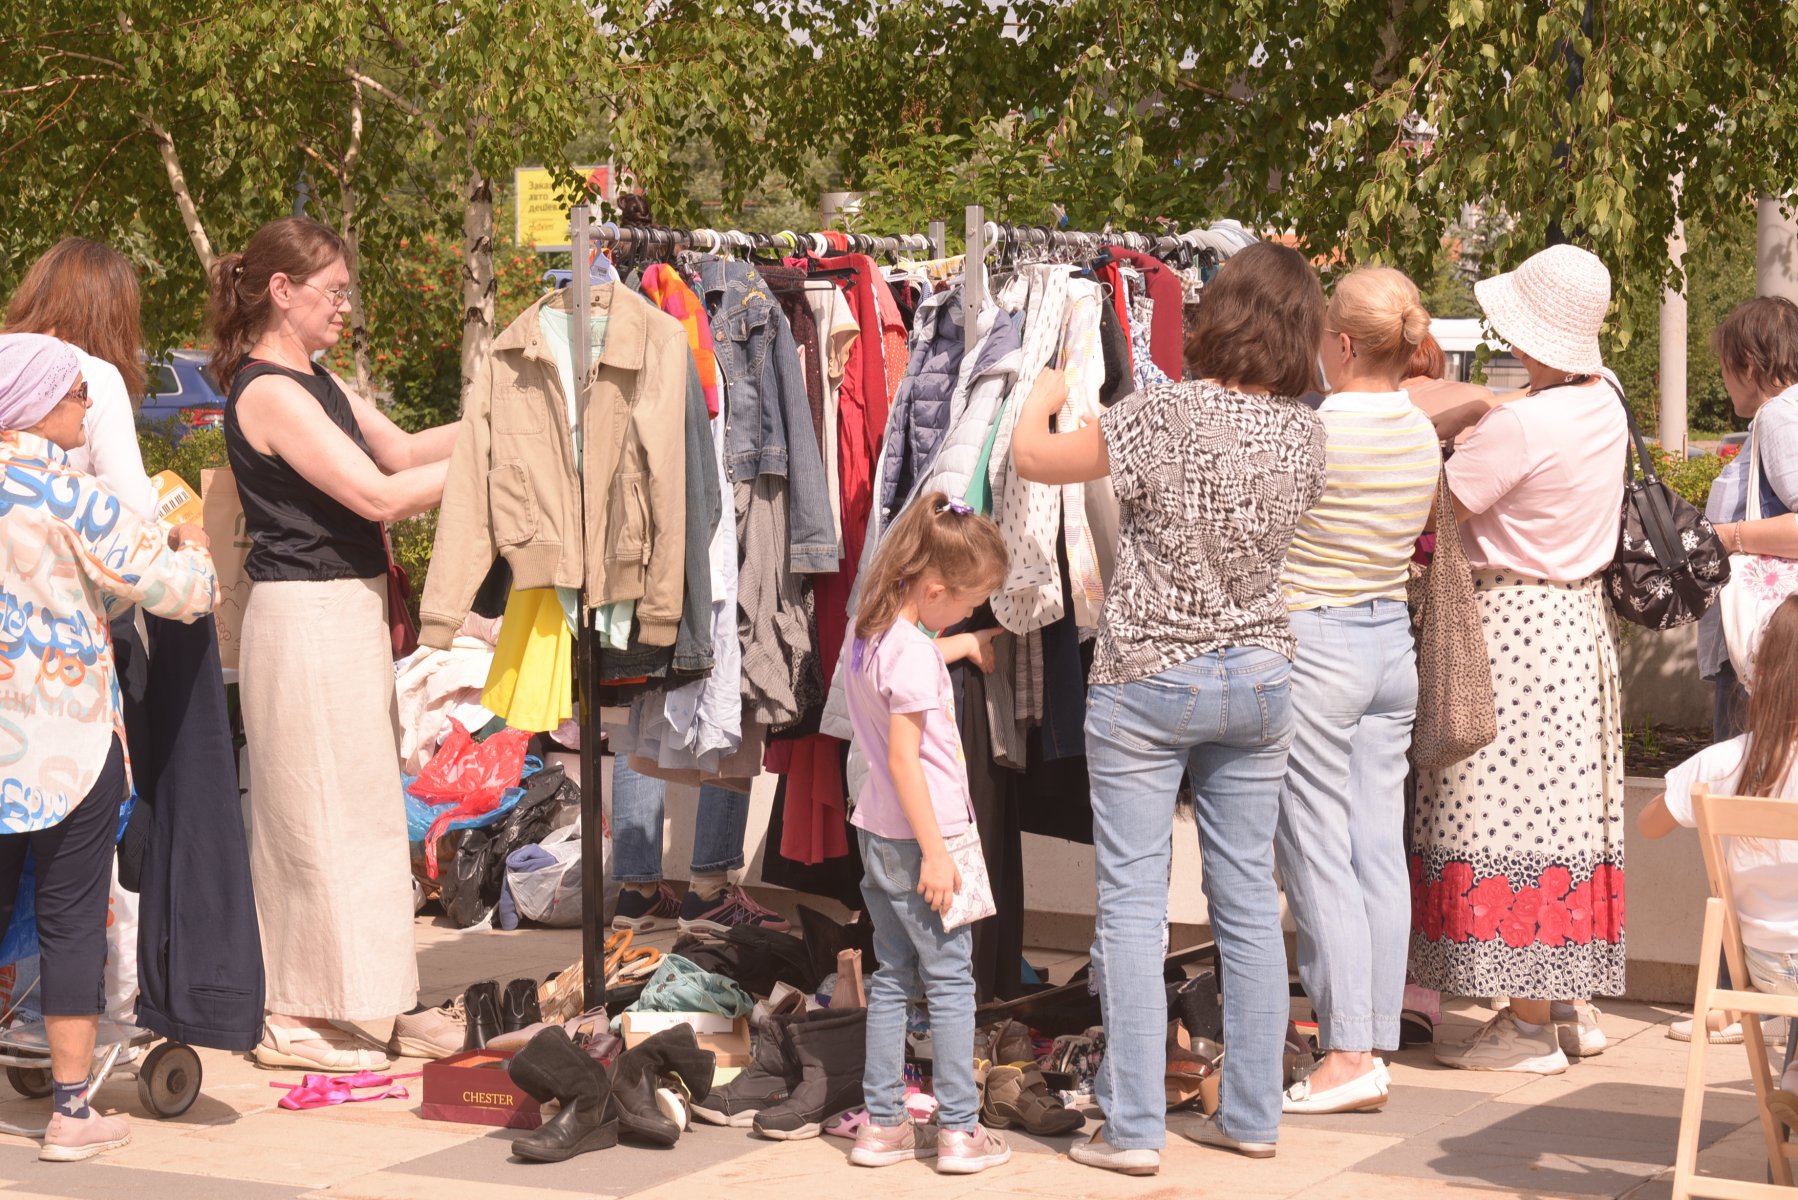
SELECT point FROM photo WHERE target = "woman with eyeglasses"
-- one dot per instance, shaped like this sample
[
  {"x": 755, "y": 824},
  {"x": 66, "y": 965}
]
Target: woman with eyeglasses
[
  {"x": 76, "y": 557},
  {"x": 319, "y": 471}
]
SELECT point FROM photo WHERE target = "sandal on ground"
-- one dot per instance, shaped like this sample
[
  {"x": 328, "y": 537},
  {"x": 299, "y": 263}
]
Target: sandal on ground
[
  {"x": 1784, "y": 1107},
  {"x": 278, "y": 1051}
]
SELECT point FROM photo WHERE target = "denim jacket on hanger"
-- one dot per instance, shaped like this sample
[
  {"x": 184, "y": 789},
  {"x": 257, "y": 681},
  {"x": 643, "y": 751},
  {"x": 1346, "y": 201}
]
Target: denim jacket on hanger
[{"x": 768, "y": 419}]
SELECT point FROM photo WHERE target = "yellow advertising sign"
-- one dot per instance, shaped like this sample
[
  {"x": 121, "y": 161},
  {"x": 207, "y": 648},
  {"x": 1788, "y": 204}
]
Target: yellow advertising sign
[{"x": 541, "y": 218}]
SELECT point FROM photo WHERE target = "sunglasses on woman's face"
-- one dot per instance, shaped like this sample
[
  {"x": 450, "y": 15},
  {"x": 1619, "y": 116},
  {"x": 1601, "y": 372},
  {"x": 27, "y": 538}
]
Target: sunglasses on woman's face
[{"x": 78, "y": 393}]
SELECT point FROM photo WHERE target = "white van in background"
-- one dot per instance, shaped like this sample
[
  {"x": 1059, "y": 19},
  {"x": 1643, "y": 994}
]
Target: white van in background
[{"x": 1461, "y": 338}]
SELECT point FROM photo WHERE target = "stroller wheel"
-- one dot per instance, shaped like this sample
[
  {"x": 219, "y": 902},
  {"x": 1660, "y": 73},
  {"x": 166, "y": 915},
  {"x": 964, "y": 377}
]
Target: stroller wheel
[
  {"x": 168, "y": 1080},
  {"x": 33, "y": 1083}
]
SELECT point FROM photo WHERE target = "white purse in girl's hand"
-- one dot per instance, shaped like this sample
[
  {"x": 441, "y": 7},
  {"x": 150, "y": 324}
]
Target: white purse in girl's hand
[{"x": 974, "y": 898}]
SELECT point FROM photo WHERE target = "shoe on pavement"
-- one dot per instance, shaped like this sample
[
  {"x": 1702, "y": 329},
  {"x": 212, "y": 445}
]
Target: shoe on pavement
[
  {"x": 1773, "y": 1030},
  {"x": 641, "y": 913},
  {"x": 882, "y": 1146},
  {"x": 74, "y": 1139},
  {"x": 1499, "y": 1045},
  {"x": 434, "y": 1033},
  {"x": 733, "y": 906},
  {"x": 1107, "y": 1157},
  {"x": 1197, "y": 1127},
  {"x": 1363, "y": 1093},
  {"x": 1582, "y": 1037},
  {"x": 969, "y": 1151}
]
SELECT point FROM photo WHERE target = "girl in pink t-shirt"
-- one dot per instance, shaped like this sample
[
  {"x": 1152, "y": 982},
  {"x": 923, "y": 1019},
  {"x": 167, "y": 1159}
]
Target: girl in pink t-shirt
[{"x": 936, "y": 566}]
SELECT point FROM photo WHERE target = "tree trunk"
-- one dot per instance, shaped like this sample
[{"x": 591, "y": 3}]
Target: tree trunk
[
  {"x": 352, "y": 252},
  {"x": 184, "y": 200},
  {"x": 477, "y": 277}
]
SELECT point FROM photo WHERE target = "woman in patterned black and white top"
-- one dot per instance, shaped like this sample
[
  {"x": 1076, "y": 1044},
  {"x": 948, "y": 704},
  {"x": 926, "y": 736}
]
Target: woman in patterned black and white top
[{"x": 1190, "y": 675}]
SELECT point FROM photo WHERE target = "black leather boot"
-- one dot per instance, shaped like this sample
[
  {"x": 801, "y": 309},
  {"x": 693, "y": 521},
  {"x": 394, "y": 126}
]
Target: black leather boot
[
  {"x": 639, "y": 1073},
  {"x": 831, "y": 1049},
  {"x": 518, "y": 1007},
  {"x": 768, "y": 1080},
  {"x": 551, "y": 1067},
  {"x": 481, "y": 1001}
]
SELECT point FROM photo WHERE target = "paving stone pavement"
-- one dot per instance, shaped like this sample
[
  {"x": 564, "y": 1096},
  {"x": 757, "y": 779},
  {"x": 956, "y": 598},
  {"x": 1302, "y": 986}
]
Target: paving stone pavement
[{"x": 1605, "y": 1128}]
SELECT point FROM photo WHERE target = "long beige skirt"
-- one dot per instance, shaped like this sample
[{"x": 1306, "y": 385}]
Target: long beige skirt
[{"x": 327, "y": 821}]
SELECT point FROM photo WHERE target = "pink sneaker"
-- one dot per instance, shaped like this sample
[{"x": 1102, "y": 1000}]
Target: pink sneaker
[
  {"x": 879, "y": 1146},
  {"x": 960, "y": 1152},
  {"x": 72, "y": 1139}
]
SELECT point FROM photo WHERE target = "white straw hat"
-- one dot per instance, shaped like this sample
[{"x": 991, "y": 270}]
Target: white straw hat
[{"x": 1551, "y": 307}]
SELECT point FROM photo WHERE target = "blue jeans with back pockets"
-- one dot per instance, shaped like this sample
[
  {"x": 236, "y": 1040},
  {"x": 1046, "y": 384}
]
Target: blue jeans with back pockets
[
  {"x": 1225, "y": 717},
  {"x": 1341, "y": 845}
]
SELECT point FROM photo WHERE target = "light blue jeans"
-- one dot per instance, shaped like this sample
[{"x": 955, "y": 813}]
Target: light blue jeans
[
  {"x": 918, "y": 961},
  {"x": 1342, "y": 817},
  {"x": 1773, "y": 972},
  {"x": 718, "y": 828},
  {"x": 1226, "y": 718}
]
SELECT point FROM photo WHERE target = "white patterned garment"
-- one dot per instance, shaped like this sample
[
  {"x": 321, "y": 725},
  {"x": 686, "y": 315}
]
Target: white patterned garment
[
  {"x": 1085, "y": 365},
  {"x": 1028, "y": 514}
]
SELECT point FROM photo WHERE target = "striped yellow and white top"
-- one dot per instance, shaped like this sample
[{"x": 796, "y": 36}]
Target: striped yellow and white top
[{"x": 1382, "y": 461}]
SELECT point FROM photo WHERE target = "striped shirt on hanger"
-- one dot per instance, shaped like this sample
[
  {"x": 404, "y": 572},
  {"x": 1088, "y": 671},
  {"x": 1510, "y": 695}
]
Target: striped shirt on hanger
[{"x": 1354, "y": 545}]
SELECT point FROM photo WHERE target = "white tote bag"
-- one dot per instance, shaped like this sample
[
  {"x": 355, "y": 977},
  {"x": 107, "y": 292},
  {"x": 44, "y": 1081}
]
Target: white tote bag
[{"x": 1758, "y": 583}]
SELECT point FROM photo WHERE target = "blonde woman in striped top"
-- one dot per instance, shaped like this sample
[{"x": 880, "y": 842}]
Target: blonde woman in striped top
[{"x": 1341, "y": 840}]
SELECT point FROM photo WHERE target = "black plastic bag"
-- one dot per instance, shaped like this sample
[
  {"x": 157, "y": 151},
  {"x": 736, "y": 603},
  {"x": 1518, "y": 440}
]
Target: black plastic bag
[
  {"x": 476, "y": 858},
  {"x": 470, "y": 875}
]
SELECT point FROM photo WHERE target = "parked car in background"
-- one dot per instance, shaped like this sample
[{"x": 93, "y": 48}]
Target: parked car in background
[
  {"x": 181, "y": 396},
  {"x": 1461, "y": 338}
]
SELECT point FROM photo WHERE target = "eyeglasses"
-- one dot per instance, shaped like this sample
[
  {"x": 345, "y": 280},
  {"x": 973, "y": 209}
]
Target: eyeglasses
[
  {"x": 339, "y": 297},
  {"x": 78, "y": 393}
]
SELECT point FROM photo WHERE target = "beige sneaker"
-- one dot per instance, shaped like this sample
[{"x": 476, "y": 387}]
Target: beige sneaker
[
  {"x": 1499, "y": 1045},
  {"x": 1582, "y": 1037},
  {"x": 74, "y": 1139},
  {"x": 1773, "y": 1031},
  {"x": 434, "y": 1033}
]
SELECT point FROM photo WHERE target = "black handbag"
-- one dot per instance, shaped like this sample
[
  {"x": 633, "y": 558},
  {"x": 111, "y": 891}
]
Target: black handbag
[{"x": 1670, "y": 564}]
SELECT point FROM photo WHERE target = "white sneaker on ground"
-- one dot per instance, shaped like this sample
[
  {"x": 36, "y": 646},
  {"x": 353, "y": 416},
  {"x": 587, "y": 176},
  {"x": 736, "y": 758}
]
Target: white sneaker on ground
[
  {"x": 1499, "y": 1045},
  {"x": 1582, "y": 1037},
  {"x": 1773, "y": 1029},
  {"x": 1107, "y": 1157},
  {"x": 1197, "y": 1127}
]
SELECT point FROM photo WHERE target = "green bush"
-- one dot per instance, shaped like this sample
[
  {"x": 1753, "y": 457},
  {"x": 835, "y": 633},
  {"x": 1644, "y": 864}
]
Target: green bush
[
  {"x": 1690, "y": 477},
  {"x": 201, "y": 450},
  {"x": 412, "y": 540}
]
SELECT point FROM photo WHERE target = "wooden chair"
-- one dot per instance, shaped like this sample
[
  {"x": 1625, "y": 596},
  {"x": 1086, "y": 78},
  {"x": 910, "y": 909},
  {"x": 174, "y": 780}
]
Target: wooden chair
[{"x": 1719, "y": 817}]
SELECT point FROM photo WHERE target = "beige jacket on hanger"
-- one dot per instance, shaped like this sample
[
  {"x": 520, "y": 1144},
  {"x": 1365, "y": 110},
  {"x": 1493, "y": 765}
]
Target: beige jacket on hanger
[{"x": 512, "y": 489}]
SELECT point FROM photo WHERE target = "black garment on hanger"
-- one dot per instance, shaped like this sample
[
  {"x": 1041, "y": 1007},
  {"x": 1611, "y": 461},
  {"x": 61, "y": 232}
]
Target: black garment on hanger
[
  {"x": 1114, "y": 343},
  {"x": 838, "y": 879},
  {"x": 199, "y": 949},
  {"x": 997, "y": 793}
]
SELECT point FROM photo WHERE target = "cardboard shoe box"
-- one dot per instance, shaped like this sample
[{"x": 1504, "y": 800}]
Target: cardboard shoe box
[
  {"x": 723, "y": 1036},
  {"x": 473, "y": 1088}
]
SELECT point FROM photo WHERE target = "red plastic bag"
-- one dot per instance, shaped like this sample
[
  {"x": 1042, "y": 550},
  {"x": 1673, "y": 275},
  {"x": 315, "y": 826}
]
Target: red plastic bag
[{"x": 468, "y": 777}]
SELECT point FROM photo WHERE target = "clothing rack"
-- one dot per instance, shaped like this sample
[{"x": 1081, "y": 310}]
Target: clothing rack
[
  {"x": 586, "y": 656},
  {"x": 727, "y": 241},
  {"x": 984, "y": 236}
]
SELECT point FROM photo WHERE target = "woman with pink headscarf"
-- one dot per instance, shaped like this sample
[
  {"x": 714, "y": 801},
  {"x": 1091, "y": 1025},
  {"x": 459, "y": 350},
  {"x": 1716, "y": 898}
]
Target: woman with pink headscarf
[{"x": 74, "y": 557}]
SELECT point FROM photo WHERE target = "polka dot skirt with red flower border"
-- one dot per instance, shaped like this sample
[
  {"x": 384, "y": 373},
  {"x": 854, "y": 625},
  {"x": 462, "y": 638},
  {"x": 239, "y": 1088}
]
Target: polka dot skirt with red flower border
[{"x": 1517, "y": 875}]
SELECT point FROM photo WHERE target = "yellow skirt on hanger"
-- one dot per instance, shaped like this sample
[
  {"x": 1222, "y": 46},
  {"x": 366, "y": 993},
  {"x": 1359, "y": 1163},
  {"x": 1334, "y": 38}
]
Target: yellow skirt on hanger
[{"x": 531, "y": 684}]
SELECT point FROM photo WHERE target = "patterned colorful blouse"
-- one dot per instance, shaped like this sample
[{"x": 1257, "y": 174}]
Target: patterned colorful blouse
[{"x": 71, "y": 558}]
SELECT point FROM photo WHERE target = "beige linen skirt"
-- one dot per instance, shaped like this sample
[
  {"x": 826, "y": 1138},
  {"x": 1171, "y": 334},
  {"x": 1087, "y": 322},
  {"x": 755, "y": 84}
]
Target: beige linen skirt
[{"x": 326, "y": 818}]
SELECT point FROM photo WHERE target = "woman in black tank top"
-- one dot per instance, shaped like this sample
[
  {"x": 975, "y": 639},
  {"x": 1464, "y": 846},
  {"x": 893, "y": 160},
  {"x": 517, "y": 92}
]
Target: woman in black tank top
[{"x": 318, "y": 471}]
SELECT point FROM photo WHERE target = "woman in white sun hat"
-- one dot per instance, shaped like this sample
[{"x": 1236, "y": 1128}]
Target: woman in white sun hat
[{"x": 1517, "y": 877}]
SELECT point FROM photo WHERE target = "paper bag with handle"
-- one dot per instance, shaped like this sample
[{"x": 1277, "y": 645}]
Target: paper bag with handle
[{"x": 223, "y": 521}]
